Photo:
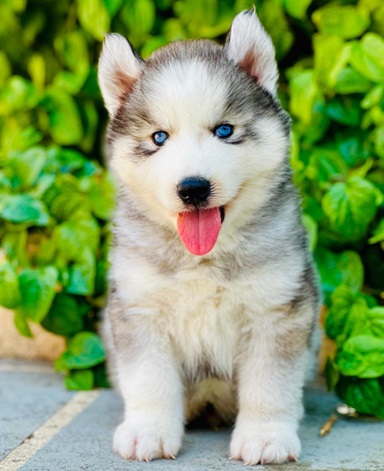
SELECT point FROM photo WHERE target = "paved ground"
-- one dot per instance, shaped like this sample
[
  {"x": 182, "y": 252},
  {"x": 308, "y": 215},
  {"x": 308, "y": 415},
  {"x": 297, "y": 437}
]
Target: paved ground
[{"x": 44, "y": 428}]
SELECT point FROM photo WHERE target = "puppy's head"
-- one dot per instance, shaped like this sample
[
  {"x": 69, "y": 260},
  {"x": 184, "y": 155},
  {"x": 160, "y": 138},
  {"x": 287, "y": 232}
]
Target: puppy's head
[{"x": 196, "y": 132}]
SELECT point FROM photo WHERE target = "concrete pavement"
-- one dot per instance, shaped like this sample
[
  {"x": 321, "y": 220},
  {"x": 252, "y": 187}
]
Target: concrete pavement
[{"x": 43, "y": 427}]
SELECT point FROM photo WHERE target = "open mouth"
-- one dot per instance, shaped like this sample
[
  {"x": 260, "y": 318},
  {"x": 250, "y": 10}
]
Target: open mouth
[
  {"x": 199, "y": 229},
  {"x": 222, "y": 213}
]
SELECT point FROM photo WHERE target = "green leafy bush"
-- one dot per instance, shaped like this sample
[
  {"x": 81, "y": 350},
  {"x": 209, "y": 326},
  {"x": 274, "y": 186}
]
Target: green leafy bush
[
  {"x": 336, "y": 99},
  {"x": 56, "y": 198},
  {"x": 54, "y": 208}
]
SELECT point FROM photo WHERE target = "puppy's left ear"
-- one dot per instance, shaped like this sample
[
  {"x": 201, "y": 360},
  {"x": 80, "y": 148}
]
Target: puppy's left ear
[{"x": 251, "y": 47}]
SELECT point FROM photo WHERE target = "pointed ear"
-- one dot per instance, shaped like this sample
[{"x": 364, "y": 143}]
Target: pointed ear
[
  {"x": 251, "y": 47},
  {"x": 119, "y": 67}
]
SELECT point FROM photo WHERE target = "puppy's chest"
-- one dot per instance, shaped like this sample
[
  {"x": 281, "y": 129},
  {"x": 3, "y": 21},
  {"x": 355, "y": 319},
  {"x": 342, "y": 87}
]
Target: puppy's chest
[{"x": 203, "y": 323}]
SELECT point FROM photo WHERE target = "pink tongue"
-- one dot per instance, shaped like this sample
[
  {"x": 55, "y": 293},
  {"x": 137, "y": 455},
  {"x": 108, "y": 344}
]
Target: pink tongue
[{"x": 199, "y": 229}]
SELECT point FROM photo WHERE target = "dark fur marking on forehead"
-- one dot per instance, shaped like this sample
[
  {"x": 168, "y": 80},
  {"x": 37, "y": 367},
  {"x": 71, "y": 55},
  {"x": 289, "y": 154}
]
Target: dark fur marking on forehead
[
  {"x": 183, "y": 51},
  {"x": 247, "y": 99},
  {"x": 143, "y": 115}
]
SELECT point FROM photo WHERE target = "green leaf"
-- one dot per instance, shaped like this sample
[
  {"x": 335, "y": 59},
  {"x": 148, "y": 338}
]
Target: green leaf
[
  {"x": 20, "y": 209},
  {"x": 65, "y": 123},
  {"x": 342, "y": 300},
  {"x": 37, "y": 69},
  {"x": 14, "y": 244},
  {"x": 18, "y": 94},
  {"x": 353, "y": 147},
  {"x": 378, "y": 140},
  {"x": 82, "y": 274},
  {"x": 275, "y": 22},
  {"x": 80, "y": 380},
  {"x": 318, "y": 127},
  {"x": 5, "y": 68},
  {"x": 70, "y": 83},
  {"x": 330, "y": 57},
  {"x": 37, "y": 292},
  {"x": 296, "y": 8},
  {"x": 84, "y": 351},
  {"x": 91, "y": 121},
  {"x": 357, "y": 320},
  {"x": 376, "y": 319},
  {"x": 113, "y": 6},
  {"x": 350, "y": 207},
  {"x": 325, "y": 165},
  {"x": 139, "y": 16},
  {"x": 94, "y": 17},
  {"x": 367, "y": 57},
  {"x": 345, "y": 110},
  {"x": 373, "y": 97},
  {"x": 345, "y": 21},
  {"x": 349, "y": 315},
  {"x": 68, "y": 203},
  {"x": 27, "y": 165},
  {"x": 303, "y": 93},
  {"x": 22, "y": 325},
  {"x": 153, "y": 43},
  {"x": 362, "y": 356},
  {"x": 349, "y": 81},
  {"x": 76, "y": 236},
  {"x": 5, "y": 183},
  {"x": 101, "y": 277},
  {"x": 311, "y": 227},
  {"x": 10, "y": 296},
  {"x": 101, "y": 196},
  {"x": 61, "y": 160},
  {"x": 336, "y": 269},
  {"x": 64, "y": 316},
  {"x": 364, "y": 395},
  {"x": 72, "y": 49},
  {"x": 378, "y": 233}
]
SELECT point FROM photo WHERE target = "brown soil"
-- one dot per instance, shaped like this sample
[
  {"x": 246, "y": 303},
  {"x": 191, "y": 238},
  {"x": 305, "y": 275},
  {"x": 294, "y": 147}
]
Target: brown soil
[{"x": 44, "y": 345}]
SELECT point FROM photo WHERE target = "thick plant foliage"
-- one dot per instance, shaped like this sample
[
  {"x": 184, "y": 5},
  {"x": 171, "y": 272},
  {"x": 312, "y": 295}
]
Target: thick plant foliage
[{"x": 57, "y": 198}]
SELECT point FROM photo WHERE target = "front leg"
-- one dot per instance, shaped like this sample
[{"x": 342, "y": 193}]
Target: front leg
[
  {"x": 151, "y": 388},
  {"x": 271, "y": 373}
]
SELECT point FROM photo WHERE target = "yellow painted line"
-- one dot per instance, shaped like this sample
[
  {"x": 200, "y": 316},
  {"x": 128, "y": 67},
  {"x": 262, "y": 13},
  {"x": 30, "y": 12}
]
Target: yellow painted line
[
  {"x": 26, "y": 367},
  {"x": 20, "y": 455}
]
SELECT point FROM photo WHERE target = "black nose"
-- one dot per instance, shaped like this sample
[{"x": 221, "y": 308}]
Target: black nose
[{"x": 194, "y": 190}]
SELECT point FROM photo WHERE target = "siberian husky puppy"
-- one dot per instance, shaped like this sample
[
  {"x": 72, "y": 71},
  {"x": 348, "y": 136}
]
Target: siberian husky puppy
[{"x": 213, "y": 296}]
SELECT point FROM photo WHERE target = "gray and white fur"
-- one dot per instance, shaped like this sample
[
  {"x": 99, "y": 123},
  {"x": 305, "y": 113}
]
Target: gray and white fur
[{"x": 231, "y": 328}]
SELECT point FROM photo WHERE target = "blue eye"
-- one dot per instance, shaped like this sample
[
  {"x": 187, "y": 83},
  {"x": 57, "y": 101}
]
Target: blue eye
[
  {"x": 223, "y": 131},
  {"x": 159, "y": 137}
]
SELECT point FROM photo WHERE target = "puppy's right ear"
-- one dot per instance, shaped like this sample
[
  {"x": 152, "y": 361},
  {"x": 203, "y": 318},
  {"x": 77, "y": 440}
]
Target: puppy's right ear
[{"x": 119, "y": 67}]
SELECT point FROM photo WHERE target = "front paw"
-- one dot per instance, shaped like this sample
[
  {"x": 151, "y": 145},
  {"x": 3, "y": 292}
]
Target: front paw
[
  {"x": 143, "y": 440},
  {"x": 264, "y": 442}
]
